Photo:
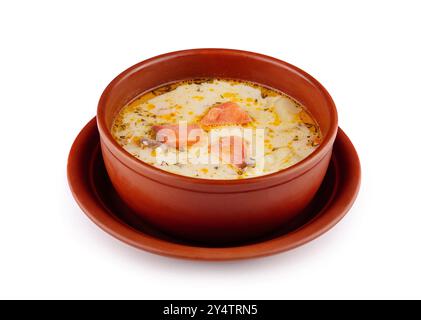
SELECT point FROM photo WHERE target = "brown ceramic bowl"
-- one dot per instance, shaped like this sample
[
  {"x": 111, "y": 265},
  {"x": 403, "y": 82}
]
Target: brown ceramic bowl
[{"x": 217, "y": 211}]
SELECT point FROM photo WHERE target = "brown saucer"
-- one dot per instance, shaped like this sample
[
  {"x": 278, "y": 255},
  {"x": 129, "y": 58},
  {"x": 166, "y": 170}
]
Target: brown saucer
[{"x": 94, "y": 193}]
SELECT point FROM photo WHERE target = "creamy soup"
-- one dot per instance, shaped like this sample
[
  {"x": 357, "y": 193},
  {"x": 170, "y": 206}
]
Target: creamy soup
[{"x": 216, "y": 129}]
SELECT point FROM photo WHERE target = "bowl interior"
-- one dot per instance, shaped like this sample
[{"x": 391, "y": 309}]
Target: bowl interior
[{"x": 219, "y": 63}]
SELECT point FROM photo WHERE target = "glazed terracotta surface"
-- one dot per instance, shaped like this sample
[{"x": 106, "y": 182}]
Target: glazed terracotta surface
[
  {"x": 96, "y": 196},
  {"x": 217, "y": 211}
]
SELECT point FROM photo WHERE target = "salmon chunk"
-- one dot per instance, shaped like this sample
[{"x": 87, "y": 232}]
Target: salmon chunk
[
  {"x": 225, "y": 114},
  {"x": 171, "y": 134},
  {"x": 231, "y": 149}
]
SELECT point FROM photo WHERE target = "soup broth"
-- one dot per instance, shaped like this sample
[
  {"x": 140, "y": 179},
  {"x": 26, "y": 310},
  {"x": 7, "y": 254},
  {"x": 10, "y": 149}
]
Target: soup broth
[{"x": 217, "y": 129}]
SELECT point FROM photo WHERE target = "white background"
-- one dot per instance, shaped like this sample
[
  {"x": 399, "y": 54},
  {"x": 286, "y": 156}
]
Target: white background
[{"x": 56, "y": 57}]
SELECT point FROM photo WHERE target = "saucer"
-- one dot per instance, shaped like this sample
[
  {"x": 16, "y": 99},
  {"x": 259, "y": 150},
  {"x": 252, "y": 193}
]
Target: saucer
[{"x": 92, "y": 189}]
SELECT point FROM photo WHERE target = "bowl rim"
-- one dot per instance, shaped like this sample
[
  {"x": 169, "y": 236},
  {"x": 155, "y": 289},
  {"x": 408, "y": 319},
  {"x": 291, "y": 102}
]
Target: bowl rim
[{"x": 274, "y": 178}]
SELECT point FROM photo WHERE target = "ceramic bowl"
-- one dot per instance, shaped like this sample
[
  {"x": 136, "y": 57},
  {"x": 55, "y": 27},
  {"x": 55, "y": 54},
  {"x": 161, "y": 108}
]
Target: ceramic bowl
[{"x": 216, "y": 211}]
